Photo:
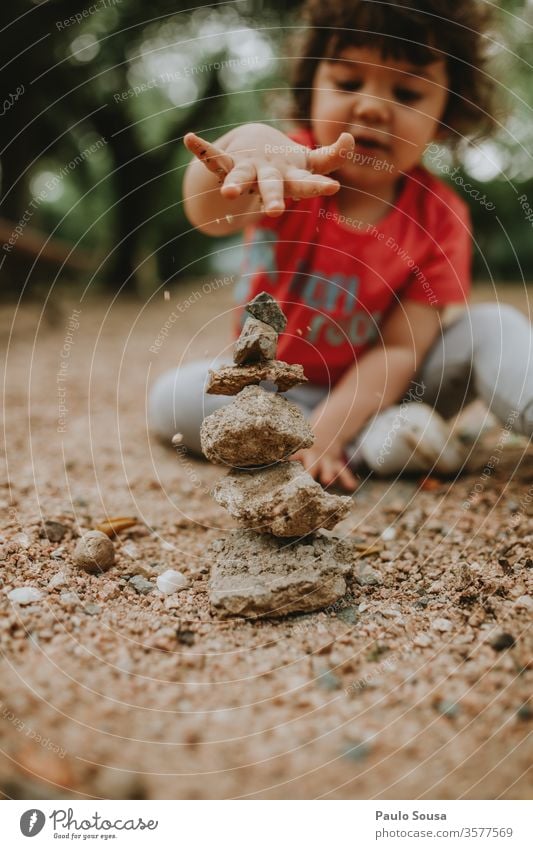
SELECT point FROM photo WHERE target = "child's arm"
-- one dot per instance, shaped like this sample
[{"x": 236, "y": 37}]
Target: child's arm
[
  {"x": 248, "y": 172},
  {"x": 373, "y": 383}
]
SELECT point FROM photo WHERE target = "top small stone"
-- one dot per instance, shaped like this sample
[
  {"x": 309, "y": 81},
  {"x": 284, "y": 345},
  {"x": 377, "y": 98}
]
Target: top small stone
[{"x": 265, "y": 308}]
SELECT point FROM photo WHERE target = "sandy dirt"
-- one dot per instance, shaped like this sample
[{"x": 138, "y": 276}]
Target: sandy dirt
[{"x": 415, "y": 685}]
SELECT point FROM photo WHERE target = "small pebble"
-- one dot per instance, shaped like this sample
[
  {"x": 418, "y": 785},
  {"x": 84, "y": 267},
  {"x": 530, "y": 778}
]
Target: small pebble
[
  {"x": 57, "y": 580},
  {"x": 177, "y": 439},
  {"x": 141, "y": 584},
  {"x": 447, "y": 708},
  {"x": 502, "y": 641},
  {"x": 525, "y": 602},
  {"x": 69, "y": 598},
  {"x": 328, "y": 681},
  {"x": 442, "y": 625},
  {"x": 57, "y": 553},
  {"x": 186, "y": 638},
  {"x": 54, "y": 531},
  {"x": 366, "y": 576},
  {"x": 22, "y": 540},
  {"x": 94, "y": 552},
  {"x": 91, "y": 609},
  {"x": 422, "y": 640},
  {"x": 358, "y": 752},
  {"x": 25, "y": 595},
  {"x": 171, "y": 581},
  {"x": 388, "y": 534}
]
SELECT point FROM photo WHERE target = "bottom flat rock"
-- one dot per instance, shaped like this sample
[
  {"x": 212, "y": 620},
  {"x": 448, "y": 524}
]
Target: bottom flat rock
[{"x": 260, "y": 575}]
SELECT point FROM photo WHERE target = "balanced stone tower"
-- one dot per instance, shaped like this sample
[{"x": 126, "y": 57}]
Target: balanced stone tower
[{"x": 279, "y": 561}]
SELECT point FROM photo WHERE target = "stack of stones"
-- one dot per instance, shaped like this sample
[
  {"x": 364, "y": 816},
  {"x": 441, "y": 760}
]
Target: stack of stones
[{"x": 279, "y": 561}]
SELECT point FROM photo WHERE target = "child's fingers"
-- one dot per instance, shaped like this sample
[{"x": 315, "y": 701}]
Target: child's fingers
[
  {"x": 347, "y": 479},
  {"x": 240, "y": 178},
  {"x": 301, "y": 184},
  {"x": 270, "y": 184},
  {"x": 214, "y": 158},
  {"x": 328, "y": 158}
]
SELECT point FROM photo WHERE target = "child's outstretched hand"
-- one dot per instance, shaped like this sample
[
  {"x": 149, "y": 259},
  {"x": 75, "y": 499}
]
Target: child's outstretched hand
[{"x": 259, "y": 158}]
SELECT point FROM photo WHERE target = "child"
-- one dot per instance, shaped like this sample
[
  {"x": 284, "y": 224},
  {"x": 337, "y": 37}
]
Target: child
[{"x": 362, "y": 247}]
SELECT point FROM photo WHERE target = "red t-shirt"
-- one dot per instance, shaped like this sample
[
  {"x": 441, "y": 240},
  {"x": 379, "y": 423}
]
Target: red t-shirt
[{"x": 336, "y": 280}]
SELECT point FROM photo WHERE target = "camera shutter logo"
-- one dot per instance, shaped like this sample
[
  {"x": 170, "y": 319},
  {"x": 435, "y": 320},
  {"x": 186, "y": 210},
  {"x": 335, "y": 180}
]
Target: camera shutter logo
[{"x": 32, "y": 822}]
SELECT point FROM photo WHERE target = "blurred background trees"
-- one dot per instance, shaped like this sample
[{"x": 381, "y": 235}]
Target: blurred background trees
[{"x": 96, "y": 98}]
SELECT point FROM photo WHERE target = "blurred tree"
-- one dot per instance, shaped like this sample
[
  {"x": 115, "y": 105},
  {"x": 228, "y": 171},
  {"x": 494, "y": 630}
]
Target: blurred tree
[
  {"x": 130, "y": 82},
  {"x": 99, "y": 93}
]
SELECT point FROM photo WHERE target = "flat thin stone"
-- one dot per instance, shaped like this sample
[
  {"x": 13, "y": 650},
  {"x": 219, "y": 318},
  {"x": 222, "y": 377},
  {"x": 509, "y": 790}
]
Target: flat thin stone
[
  {"x": 257, "y": 429},
  {"x": 258, "y": 341},
  {"x": 265, "y": 308},
  {"x": 258, "y": 575},
  {"x": 283, "y": 500},
  {"x": 230, "y": 380}
]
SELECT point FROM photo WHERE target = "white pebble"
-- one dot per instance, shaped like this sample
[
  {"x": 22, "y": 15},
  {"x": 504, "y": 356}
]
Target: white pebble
[
  {"x": 388, "y": 534},
  {"x": 58, "y": 553},
  {"x": 130, "y": 549},
  {"x": 442, "y": 625},
  {"x": 525, "y": 601},
  {"x": 23, "y": 540},
  {"x": 25, "y": 595},
  {"x": 422, "y": 640},
  {"x": 171, "y": 581},
  {"x": 58, "y": 580}
]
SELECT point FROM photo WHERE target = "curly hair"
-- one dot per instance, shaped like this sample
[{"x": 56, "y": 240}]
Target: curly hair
[{"x": 417, "y": 31}]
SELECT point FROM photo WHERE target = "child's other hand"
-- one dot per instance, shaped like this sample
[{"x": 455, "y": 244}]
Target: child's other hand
[
  {"x": 328, "y": 466},
  {"x": 259, "y": 158}
]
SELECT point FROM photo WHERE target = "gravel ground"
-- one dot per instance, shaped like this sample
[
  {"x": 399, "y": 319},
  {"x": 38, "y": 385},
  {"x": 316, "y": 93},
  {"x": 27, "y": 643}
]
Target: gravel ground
[{"x": 415, "y": 685}]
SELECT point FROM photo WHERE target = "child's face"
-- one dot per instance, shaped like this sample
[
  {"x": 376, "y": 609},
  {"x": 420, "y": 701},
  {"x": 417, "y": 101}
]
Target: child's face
[{"x": 391, "y": 108}]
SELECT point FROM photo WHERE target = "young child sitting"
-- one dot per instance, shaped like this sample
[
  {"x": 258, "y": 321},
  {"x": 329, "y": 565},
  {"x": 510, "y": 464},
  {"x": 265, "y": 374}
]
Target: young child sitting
[{"x": 361, "y": 245}]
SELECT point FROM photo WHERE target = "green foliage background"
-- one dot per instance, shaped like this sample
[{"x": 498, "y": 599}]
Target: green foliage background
[{"x": 122, "y": 202}]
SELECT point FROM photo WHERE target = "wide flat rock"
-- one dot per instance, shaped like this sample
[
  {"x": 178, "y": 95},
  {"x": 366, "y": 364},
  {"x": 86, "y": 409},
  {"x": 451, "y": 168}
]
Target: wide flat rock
[
  {"x": 230, "y": 380},
  {"x": 258, "y": 575},
  {"x": 283, "y": 500},
  {"x": 257, "y": 429}
]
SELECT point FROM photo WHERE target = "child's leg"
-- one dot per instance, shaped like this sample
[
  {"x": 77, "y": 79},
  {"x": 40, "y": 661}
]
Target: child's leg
[
  {"x": 487, "y": 353},
  {"x": 178, "y": 403}
]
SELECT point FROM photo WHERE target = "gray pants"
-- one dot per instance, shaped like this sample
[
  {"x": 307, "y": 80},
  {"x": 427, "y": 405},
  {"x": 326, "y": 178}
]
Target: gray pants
[{"x": 487, "y": 353}]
